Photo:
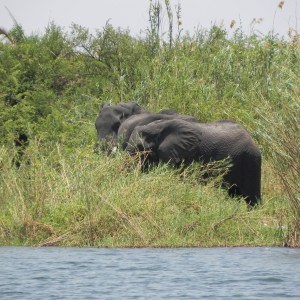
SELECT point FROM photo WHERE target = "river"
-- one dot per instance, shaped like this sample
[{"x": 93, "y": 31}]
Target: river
[{"x": 185, "y": 273}]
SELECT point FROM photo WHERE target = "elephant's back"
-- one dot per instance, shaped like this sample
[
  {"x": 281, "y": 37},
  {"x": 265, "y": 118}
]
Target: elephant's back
[
  {"x": 223, "y": 130},
  {"x": 227, "y": 138},
  {"x": 132, "y": 121}
]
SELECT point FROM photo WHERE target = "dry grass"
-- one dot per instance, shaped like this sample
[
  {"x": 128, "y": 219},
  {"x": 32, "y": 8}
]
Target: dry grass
[{"x": 93, "y": 200}]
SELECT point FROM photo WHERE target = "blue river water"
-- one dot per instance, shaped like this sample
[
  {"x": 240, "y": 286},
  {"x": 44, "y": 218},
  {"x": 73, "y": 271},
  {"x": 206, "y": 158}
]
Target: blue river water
[{"x": 185, "y": 273}]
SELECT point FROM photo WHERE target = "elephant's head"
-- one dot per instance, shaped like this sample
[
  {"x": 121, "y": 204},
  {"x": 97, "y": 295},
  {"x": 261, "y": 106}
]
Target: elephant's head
[
  {"x": 109, "y": 120},
  {"x": 144, "y": 143}
]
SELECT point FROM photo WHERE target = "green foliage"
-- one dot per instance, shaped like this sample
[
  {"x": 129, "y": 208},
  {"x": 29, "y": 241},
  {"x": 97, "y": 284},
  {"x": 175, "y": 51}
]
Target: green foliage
[
  {"x": 282, "y": 141},
  {"x": 51, "y": 87},
  {"x": 208, "y": 75},
  {"x": 82, "y": 199}
]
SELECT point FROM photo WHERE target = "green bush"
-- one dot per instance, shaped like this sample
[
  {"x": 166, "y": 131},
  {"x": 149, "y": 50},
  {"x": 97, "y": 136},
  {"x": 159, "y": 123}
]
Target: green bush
[{"x": 51, "y": 88}]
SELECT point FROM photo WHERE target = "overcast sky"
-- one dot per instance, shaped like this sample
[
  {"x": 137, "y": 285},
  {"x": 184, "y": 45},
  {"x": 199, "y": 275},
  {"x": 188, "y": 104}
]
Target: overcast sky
[{"x": 35, "y": 15}]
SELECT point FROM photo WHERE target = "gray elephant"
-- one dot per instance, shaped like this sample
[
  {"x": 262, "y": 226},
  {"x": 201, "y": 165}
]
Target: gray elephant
[
  {"x": 180, "y": 142},
  {"x": 109, "y": 120},
  {"x": 129, "y": 124}
]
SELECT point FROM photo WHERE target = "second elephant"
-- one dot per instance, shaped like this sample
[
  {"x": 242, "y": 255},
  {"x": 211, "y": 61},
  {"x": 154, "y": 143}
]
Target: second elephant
[{"x": 127, "y": 127}]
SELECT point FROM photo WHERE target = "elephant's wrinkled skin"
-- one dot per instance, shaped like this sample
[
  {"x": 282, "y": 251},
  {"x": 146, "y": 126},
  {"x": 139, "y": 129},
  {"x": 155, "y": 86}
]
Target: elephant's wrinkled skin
[
  {"x": 129, "y": 124},
  {"x": 178, "y": 141},
  {"x": 109, "y": 120}
]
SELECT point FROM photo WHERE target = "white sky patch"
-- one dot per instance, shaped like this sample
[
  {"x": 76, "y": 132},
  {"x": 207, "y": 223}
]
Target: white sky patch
[{"x": 35, "y": 15}]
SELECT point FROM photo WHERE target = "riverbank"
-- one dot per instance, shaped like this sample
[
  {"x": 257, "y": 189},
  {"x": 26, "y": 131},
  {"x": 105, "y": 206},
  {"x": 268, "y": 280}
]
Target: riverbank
[
  {"x": 54, "y": 190},
  {"x": 91, "y": 200}
]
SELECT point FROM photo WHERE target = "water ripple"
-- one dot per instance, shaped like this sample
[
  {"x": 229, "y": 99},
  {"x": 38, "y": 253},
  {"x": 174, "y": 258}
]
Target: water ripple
[{"x": 222, "y": 273}]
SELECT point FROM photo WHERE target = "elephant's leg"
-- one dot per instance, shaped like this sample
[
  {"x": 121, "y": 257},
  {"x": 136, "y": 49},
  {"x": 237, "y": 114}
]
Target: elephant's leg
[
  {"x": 232, "y": 180},
  {"x": 242, "y": 182},
  {"x": 252, "y": 192},
  {"x": 251, "y": 186}
]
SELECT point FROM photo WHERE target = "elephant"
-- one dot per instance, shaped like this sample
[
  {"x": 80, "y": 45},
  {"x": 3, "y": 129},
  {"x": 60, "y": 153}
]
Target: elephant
[
  {"x": 129, "y": 124},
  {"x": 179, "y": 142},
  {"x": 168, "y": 112},
  {"x": 110, "y": 119}
]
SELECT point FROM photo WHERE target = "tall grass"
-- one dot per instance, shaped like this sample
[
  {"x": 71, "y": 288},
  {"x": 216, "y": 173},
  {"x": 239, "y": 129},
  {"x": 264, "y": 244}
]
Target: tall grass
[
  {"x": 85, "y": 199},
  {"x": 64, "y": 194},
  {"x": 281, "y": 135}
]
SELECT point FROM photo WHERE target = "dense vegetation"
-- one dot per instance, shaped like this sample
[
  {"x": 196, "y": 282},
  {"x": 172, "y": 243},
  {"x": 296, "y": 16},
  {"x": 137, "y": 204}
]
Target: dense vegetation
[{"x": 55, "y": 190}]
